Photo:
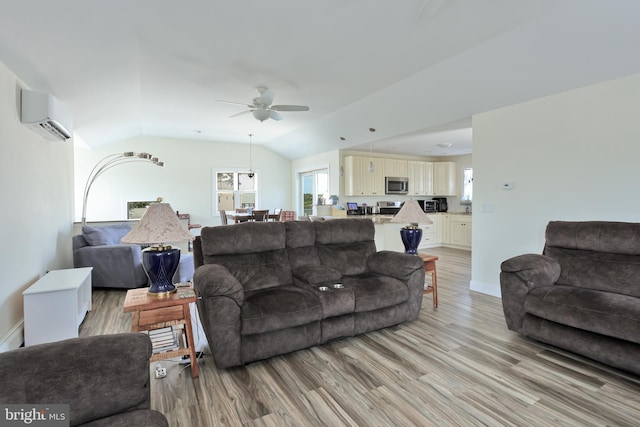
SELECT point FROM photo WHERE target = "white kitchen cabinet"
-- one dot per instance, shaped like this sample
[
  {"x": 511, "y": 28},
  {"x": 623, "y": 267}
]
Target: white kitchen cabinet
[
  {"x": 460, "y": 230},
  {"x": 395, "y": 167},
  {"x": 420, "y": 178},
  {"x": 430, "y": 233},
  {"x": 358, "y": 181},
  {"x": 444, "y": 179}
]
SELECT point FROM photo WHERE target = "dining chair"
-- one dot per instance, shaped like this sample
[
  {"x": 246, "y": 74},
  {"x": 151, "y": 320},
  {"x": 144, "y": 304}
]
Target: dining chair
[
  {"x": 277, "y": 213},
  {"x": 242, "y": 210},
  {"x": 287, "y": 216},
  {"x": 223, "y": 217},
  {"x": 261, "y": 215}
]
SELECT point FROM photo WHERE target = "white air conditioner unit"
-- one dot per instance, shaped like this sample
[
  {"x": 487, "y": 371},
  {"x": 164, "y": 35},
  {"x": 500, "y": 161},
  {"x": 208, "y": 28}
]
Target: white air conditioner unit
[{"x": 44, "y": 114}]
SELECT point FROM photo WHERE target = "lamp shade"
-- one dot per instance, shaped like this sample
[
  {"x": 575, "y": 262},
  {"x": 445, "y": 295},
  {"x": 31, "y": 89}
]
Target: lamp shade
[
  {"x": 411, "y": 213},
  {"x": 159, "y": 224}
]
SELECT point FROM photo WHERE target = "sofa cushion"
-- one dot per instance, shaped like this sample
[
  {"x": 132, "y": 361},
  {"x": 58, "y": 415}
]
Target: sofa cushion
[
  {"x": 592, "y": 310},
  {"x": 277, "y": 308},
  {"x": 597, "y": 270},
  {"x": 345, "y": 244},
  {"x": 316, "y": 274},
  {"x": 373, "y": 291},
  {"x": 599, "y": 236},
  {"x": 301, "y": 243},
  {"x": 108, "y": 235},
  {"x": 257, "y": 270},
  {"x": 246, "y": 237},
  {"x": 348, "y": 258}
]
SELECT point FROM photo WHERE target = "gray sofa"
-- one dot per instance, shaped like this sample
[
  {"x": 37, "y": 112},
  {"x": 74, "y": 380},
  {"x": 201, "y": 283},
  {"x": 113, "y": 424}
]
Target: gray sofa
[
  {"x": 259, "y": 286},
  {"x": 115, "y": 265},
  {"x": 582, "y": 294},
  {"x": 104, "y": 379}
]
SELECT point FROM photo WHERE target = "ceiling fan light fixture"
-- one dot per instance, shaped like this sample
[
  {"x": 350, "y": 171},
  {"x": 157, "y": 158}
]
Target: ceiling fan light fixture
[{"x": 261, "y": 114}]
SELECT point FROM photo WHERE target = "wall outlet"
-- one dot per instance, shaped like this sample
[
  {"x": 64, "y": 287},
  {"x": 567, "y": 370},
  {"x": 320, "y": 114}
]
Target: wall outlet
[
  {"x": 161, "y": 371},
  {"x": 508, "y": 185}
]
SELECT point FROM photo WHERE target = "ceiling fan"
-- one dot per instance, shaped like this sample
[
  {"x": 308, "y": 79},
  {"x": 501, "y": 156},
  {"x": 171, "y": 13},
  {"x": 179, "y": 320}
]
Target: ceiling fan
[{"x": 262, "y": 109}]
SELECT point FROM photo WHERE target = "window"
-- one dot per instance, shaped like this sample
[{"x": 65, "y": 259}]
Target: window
[
  {"x": 315, "y": 190},
  {"x": 467, "y": 186},
  {"x": 235, "y": 189}
]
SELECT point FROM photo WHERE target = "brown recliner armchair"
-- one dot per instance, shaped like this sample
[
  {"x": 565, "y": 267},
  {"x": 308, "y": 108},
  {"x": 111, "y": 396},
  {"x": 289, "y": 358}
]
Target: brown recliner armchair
[{"x": 104, "y": 379}]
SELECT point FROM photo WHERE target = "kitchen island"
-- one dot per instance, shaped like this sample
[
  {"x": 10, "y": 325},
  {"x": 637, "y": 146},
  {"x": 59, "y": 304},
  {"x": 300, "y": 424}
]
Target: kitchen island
[{"x": 449, "y": 229}]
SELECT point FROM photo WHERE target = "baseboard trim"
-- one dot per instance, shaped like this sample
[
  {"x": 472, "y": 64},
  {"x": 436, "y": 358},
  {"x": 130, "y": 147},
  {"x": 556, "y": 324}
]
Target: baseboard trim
[
  {"x": 485, "y": 288},
  {"x": 14, "y": 338}
]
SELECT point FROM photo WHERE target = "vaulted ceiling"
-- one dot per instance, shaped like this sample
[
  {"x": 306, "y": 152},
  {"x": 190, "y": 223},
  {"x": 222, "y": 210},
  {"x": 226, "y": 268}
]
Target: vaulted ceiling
[{"x": 415, "y": 70}]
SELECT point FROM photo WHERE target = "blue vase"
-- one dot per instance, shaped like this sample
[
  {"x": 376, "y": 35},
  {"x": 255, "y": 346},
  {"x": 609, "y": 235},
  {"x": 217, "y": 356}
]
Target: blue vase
[
  {"x": 160, "y": 267},
  {"x": 411, "y": 239}
]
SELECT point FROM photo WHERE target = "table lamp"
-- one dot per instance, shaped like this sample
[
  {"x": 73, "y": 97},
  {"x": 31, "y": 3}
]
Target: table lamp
[
  {"x": 411, "y": 234},
  {"x": 158, "y": 226}
]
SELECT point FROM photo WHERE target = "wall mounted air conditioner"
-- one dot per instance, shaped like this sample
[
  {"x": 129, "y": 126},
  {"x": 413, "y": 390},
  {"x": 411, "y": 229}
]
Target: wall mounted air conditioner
[{"x": 44, "y": 114}]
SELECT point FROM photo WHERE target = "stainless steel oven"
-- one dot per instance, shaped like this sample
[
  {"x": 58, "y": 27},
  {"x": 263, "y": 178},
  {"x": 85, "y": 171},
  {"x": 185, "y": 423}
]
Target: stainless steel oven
[{"x": 396, "y": 185}]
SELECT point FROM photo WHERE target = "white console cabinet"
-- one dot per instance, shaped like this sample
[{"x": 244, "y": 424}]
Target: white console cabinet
[{"x": 55, "y": 306}]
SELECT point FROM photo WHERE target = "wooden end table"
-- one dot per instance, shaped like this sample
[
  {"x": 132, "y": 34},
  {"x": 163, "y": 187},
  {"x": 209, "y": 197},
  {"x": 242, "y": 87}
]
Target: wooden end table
[
  {"x": 151, "y": 313},
  {"x": 430, "y": 267}
]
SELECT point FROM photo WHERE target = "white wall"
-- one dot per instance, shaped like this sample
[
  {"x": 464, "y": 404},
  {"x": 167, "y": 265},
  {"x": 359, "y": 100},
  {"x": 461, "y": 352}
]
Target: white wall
[
  {"x": 327, "y": 160},
  {"x": 571, "y": 156},
  {"x": 185, "y": 181},
  {"x": 36, "y": 184}
]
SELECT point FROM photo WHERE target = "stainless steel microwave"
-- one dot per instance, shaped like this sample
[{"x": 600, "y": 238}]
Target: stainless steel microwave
[{"x": 396, "y": 185}]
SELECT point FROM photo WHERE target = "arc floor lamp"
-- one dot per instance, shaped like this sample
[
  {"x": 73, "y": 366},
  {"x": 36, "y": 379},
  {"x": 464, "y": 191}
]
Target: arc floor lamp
[{"x": 109, "y": 162}]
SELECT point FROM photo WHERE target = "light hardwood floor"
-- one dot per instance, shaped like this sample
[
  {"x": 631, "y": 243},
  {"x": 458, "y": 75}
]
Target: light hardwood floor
[{"x": 457, "y": 365}]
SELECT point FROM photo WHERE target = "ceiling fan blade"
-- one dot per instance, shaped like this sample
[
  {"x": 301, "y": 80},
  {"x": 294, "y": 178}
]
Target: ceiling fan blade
[
  {"x": 290, "y": 108},
  {"x": 240, "y": 113},
  {"x": 268, "y": 97},
  {"x": 235, "y": 103},
  {"x": 276, "y": 116}
]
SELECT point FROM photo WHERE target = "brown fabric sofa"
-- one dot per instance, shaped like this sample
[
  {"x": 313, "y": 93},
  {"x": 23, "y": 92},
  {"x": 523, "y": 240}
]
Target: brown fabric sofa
[
  {"x": 259, "y": 286},
  {"x": 104, "y": 379},
  {"x": 582, "y": 294}
]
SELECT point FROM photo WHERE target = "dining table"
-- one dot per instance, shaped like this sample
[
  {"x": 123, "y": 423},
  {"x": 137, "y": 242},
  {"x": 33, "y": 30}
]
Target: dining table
[{"x": 237, "y": 217}]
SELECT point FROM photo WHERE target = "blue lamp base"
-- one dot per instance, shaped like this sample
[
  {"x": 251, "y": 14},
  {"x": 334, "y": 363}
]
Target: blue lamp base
[
  {"x": 160, "y": 266},
  {"x": 411, "y": 237}
]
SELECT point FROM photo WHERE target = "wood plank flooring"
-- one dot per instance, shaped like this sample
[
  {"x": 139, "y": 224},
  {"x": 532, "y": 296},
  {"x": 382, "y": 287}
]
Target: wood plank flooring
[{"x": 457, "y": 365}]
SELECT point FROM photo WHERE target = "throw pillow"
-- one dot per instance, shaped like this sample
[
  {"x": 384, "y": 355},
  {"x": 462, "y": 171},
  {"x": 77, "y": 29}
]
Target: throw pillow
[{"x": 109, "y": 235}]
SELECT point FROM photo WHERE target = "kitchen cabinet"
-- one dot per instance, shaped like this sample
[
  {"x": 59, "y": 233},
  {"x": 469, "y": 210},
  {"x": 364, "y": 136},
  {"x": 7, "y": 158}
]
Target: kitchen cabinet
[
  {"x": 460, "y": 230},
  {"x": 358, "y": 181},
  {"x": 395, "y": 167},
  {"x": 420, "y": 178},
  {"x": 444, "y": 179},
  {"x": 430, "y": 233}
]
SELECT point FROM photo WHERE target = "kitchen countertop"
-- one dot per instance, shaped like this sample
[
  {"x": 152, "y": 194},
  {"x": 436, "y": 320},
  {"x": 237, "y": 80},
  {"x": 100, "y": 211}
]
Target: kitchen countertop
[{"x": 383, "y": 219}]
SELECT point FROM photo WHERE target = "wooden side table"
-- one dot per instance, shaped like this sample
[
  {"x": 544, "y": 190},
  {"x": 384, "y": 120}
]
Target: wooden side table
[
  {"x": 430, "y": 267},
  {"x": 151, "y": 313}
]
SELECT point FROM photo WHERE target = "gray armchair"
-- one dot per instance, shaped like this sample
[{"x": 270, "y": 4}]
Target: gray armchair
[
  {"x": 114, "y": 265},
  {"x": 104, "y": 379}
]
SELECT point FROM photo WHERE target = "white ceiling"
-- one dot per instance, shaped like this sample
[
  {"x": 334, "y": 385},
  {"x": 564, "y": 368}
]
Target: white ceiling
[{"x": 156, "y": 67}]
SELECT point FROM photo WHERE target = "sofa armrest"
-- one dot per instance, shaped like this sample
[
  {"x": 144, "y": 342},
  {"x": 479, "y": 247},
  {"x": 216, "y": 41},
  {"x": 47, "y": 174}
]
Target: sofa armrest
[
  {"x": 97, "y": 376},
  {"x": 533, "y": 269},
  {"x": 220, "y": 299},
  {"x": 518, "y": 275},
  {"x": 316, "y": 274},
  {"x": 395, "y": 264},
  {"x": 214, "y": 280}
]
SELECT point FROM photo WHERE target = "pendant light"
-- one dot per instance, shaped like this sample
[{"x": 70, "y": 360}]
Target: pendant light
[
  {"x": 251, "y": 173},
  {"x": 371, "y": 167}
]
